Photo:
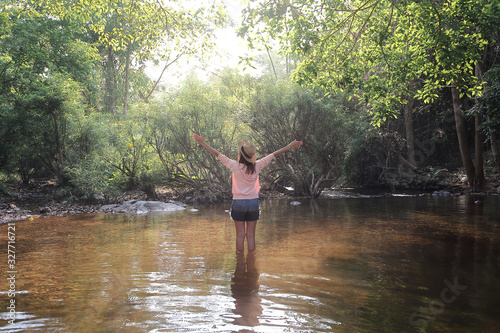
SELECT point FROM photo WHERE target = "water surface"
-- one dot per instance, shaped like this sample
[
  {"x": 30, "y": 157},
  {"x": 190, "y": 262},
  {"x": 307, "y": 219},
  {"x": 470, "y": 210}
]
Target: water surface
[{"x": 396, "y": 264}]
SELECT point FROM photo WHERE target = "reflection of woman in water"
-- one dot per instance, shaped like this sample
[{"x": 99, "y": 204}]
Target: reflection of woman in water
[
  {"x": 244, "y": 289},
  {"x": 245, "y": 207}
]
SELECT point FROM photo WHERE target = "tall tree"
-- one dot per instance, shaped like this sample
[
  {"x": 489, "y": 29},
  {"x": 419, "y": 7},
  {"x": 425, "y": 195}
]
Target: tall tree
[
  {"x": 133, "y": 32},
  {"x": 382, "y": 51},
  {"x": 51, "y": 53},
  {"x": 42, "y": 59}
]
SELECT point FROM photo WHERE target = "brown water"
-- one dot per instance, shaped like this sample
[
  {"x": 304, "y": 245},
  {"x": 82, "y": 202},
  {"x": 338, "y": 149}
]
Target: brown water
[{"x": 356, "y": 265}]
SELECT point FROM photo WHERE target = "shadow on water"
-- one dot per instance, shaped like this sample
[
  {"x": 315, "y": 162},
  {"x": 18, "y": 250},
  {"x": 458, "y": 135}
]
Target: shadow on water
[
  {"x": 245, "y": 291},
  {"x": 414, "y": 264}
]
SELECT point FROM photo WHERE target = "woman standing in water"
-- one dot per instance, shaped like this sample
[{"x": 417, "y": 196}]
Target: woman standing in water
[{"x": 245, "y": 207}]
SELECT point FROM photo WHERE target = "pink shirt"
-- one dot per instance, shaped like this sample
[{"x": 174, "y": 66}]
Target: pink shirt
[{"x": 245, "y": 186}]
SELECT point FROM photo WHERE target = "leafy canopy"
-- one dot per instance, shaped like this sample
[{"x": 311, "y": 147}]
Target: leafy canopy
[
  {"x": 382, "y": 52},
  {"x": 158, "y": 26}
]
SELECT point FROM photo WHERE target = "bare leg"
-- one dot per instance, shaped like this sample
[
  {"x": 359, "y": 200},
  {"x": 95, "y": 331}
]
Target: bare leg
[
  {"x": 251, "y": 225},
  {"x": 240, "y": 236}
]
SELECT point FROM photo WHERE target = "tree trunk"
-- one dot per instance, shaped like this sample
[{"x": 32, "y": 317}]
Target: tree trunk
[
  {"x": 462, "y": 137},
  {"x": 272, "y": 63},
  {"x": 57, "y": 161},
  {"x": 478, "y": 137},
  {"x": 127, "y": 72},
  {"x": 495, "y": 149},
  {"x": 410, "y": 137},
  {"x": 110, "y": 82},
  {"x": 478, "y": 150}
]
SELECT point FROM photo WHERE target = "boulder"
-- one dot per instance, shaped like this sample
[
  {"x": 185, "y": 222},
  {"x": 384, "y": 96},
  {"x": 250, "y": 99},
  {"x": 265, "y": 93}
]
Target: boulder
[{"x": 142, "y": 207}]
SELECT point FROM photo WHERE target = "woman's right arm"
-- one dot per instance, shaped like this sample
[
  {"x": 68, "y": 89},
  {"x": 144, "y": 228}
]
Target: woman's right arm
[{"x": 202, "y": 142}]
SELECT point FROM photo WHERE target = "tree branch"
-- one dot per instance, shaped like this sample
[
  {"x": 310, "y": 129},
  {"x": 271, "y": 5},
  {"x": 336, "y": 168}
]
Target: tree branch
[{"x": 162, "y": 72}]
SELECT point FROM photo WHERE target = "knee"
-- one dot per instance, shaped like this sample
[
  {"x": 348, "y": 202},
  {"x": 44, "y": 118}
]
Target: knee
[{"x": 241, "y": 234}]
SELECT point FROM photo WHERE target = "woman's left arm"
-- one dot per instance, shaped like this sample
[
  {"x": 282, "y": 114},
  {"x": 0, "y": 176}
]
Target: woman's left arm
[{"x": 292, "y": 145}]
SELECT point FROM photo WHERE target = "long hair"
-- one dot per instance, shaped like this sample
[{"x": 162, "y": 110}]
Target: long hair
[{"x": 250, "y": 166}]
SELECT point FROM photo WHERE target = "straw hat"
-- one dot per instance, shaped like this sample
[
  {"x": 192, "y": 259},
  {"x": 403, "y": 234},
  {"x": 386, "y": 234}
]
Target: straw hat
[{"x": 248, "y": 151}]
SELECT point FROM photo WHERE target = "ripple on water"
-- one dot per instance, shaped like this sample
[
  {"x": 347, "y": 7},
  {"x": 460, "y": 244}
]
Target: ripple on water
[{"x": 334, "y": 265}]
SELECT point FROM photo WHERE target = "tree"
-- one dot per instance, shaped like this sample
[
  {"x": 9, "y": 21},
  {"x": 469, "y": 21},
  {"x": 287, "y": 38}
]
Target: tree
[
  {"x": 346, "y": 50},
  {"x": 375, "y": 48},
  {"x": 130, "y": 33},
  {"x": 41, "y": 62},
  {"x": 51, "y": 53}
]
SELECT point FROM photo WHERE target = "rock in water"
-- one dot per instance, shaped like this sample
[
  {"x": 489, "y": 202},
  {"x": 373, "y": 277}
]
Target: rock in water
[
  {"x": 295, "y": 203},
  {"x": 142, "y": 207}
]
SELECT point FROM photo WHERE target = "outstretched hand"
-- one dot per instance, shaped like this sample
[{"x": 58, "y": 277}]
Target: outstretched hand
[
  {"x": 199, "y": 138},
  {"x": 295, "y": 144},
  {"x": 291, "y": 145}
]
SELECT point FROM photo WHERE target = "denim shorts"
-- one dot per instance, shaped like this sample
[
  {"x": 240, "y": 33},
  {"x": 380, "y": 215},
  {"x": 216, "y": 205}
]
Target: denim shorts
[{"x": 245, "y": 210}]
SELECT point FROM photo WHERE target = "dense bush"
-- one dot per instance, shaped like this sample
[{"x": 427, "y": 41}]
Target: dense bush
[
  {"x": 282, "y": 111},
  {"x": 152, "y": 145}
]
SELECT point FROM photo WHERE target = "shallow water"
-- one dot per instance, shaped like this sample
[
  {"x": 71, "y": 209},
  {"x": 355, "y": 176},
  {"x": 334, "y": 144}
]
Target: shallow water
[{"x": 396, "y": 264}]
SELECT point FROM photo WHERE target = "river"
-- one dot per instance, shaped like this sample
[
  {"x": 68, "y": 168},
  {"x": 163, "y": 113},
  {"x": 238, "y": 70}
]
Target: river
[{"x": 389, "y": 264}]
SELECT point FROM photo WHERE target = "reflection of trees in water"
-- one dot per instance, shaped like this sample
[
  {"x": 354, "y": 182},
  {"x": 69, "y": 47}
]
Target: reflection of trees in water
[{"x": 244, "y": 289}]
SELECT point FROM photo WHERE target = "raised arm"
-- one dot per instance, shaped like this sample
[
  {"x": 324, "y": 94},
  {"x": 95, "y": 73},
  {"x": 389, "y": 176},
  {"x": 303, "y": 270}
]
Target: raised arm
[
  {"x": 293, "y": 144},
  {"x": 202, "y": 142}
]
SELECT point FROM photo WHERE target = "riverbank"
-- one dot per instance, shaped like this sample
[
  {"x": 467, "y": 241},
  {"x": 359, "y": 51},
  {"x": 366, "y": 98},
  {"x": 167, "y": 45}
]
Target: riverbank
[
  {"x": 43, "y": 198},
  {"x": 37, "y": 199},
  {"x": 40, "y": 199}
]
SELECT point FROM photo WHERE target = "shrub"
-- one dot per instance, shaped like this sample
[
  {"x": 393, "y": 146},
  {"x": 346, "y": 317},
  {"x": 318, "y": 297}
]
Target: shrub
[
  {"x": 282, "y": 111},
  {"x": 195, "y": 108}
]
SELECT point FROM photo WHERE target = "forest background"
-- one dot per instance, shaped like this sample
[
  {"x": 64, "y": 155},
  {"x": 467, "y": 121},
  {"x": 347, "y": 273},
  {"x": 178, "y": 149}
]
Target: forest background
[{"x": 395, "y": 94}]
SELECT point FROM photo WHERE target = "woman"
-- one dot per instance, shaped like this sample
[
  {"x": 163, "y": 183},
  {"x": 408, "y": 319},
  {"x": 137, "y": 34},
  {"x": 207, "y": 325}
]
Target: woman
[{"x": 245, "y": 207}]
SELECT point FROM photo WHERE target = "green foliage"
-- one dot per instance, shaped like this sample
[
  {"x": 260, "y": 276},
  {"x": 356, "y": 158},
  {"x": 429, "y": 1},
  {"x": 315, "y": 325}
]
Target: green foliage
[
  {"x": 380, "y": 52},
  {"x": 120, "y": 24},
  {"x": 269, "y": 113},
  {"x": 75, "y": 102},
  {"x": 85, "y": 168},
  {"x": 62, "y": 62},
  {"x": 91, "y": 176},
  {"x": 42, "y": 60},
  {"x": 35, "y": 128},
  {"x": 489, "y": 102},
  {"x": 110, "y": 154}
]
